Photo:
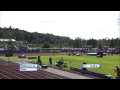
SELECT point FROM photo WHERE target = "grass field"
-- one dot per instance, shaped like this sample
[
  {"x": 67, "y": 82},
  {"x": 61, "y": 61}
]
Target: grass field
[{"x": 108, "y": 63}]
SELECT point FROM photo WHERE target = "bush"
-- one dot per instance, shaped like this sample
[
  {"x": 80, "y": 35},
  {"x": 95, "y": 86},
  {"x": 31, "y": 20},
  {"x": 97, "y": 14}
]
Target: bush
[
  {"x": 46, "y": 45},
  {"x": 32, "y": 57},
  {"x": 117, "y": 47},
  {"x": 9, "y": 54}
]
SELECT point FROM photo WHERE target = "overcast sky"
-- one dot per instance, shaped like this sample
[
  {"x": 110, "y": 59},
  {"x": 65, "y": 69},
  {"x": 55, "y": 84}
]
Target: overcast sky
[{"x": 83, "y": 24}]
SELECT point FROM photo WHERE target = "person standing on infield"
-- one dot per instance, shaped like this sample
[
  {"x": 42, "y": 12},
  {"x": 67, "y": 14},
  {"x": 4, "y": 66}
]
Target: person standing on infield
[
  {"x": 50, "y": 60},
  {"x": 38, "y": 59},
  {"x": 118, "y": 72}
]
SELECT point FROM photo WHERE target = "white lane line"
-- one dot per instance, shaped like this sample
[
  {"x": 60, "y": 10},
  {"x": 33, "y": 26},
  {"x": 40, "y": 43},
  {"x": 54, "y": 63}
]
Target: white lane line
[
  {"x": 61, "y": 77},
  {"x": 40, "y": 74},
  {"x": 4, "y": 76},
  {"x": 18, "y": 73},
  {"x": 53, "y": 75},
  {"x": 56, "y": 74},
  {"x": 34, "y": 73},
  {"x": 37, "y": 74},
  {"x": 67, "y": 74},
  {"x": 10, "y": 73},
  {"x": 44, "y": 72},
  {"x": 27, "y": 73}
]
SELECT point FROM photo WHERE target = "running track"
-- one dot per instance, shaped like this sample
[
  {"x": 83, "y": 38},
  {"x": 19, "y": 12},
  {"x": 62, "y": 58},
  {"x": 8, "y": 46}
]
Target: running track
[{"x": 10, "y": 70}]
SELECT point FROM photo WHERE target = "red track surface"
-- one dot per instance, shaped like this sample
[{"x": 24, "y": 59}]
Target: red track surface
[{"x": 10, "y": 70}]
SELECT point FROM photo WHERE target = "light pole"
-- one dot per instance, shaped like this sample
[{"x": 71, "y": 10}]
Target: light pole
[
  {"x": 119, "y": 32},
  {"x": 119, "y": 26},
  {"x": 87, "y": 45},
  {"x": 0, "y": 18},
  {"x": 82, "y": 45},
  {"x": 106, "y": 41}
]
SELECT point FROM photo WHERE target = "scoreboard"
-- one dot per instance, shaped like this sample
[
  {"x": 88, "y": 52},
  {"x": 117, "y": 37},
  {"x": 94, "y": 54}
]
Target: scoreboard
[
  {"x": 29, "y": 67},
  {"x": 91, "y": 66}
]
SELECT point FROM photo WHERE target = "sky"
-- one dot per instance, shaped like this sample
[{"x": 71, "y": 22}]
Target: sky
[{"x": 83, "y": 24}]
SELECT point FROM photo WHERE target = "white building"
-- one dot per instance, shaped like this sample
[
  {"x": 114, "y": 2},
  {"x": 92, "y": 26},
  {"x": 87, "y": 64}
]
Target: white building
[{"x": 5, "y": 40}]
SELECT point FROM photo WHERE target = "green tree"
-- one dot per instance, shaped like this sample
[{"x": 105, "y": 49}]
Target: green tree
[
  {"x": 10, "y": 42},
  {"x": 77, "y": 43},
  {"x": 46, "y": 45},
  {"x": 117, "y": 47},
  {"x": 100, "y": 43},
  {"x": 92, "y": 42},
  {"x": 112, "y": 44}
]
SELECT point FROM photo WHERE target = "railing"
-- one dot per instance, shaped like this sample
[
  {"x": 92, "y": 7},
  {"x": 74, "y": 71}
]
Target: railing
[{"x": 91, "y": 73}]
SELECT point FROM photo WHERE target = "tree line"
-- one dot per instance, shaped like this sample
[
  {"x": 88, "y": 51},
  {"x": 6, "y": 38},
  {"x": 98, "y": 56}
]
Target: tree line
[{"x": 61, "y": 41}]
